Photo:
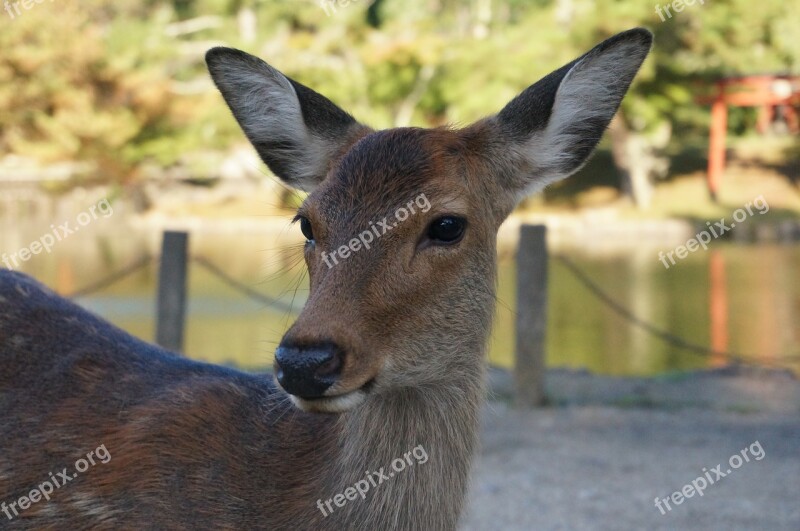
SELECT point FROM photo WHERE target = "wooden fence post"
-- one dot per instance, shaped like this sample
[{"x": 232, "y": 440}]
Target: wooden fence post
[
  {"x": 171, "y": 310},
  {"x": 531, "y": 326}
]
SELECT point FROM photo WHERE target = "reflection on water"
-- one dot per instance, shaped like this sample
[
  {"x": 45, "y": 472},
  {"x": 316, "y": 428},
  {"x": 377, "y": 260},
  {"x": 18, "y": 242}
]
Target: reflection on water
[
  {"x": 743, "y": 299},
  {"x": 734, "y": 297}
]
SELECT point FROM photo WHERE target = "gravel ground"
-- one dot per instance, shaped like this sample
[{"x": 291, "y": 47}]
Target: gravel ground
[{"x": 600, "y": 468}]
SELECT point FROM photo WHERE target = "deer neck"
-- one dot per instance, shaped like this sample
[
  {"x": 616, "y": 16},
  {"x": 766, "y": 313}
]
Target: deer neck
[{"x": 441, "y": 422}]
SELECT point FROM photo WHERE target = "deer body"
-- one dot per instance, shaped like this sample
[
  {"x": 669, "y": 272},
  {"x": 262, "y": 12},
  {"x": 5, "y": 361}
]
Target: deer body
[
  {"x": 387, "y": 355},
  {"x": 198, "y": 446}
]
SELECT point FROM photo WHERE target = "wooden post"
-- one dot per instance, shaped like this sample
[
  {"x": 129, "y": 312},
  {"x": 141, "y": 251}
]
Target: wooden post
[
  {"x": 716, "y": 144},
  {"x": 531, "y": 325},
  {"x": 170, "y": 314}
]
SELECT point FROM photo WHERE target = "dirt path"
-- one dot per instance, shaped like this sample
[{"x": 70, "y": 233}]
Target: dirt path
[{"x": 600, "y": 468}]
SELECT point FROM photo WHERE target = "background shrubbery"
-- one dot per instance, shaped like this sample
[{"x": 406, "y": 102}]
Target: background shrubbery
[{"x": 122, "y": 83}]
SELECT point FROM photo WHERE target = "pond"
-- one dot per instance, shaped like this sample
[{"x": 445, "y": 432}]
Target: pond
[{"x": 735, "y": 297}]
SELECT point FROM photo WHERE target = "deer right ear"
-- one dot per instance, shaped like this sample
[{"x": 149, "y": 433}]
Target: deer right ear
[
  {"x": 548, "y": 132},
  {"x": 296, "y": 131}
]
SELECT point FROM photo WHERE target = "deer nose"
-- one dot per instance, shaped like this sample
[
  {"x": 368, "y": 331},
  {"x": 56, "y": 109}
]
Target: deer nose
[{"x": 308, "y": 371}]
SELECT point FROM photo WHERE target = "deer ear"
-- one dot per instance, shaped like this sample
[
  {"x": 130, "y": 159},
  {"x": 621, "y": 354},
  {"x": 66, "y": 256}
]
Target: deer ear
[
  {"x": 296, "y": 131},
  {"x": 552, "y": 127}
]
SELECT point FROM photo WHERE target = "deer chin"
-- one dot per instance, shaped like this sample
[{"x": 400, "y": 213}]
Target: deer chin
[
  {"x": 330, "y": 404},
  {"x": 333, "y": 404}
]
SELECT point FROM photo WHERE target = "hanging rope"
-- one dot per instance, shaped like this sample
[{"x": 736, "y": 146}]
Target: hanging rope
[
  {"x": 113, "y": 278},
  {"x": 241, "y": 287}
]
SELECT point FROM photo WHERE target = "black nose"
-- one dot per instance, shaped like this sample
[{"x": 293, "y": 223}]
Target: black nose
[{"x": 308, "y": 371}]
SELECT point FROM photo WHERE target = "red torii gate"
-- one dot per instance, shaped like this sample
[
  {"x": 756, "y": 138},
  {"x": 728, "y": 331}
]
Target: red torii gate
[{"x": 765, "y": 92}]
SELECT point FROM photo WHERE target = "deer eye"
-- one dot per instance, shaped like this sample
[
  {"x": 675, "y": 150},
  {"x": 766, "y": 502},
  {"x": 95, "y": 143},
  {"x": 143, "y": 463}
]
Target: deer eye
[
  {"x": 305, "y": 227},
  {"x": 447, "y": 229}
]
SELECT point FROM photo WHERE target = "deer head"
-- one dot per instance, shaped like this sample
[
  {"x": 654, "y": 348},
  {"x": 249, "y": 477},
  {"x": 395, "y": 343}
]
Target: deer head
[{"x": 401, "y": 224}]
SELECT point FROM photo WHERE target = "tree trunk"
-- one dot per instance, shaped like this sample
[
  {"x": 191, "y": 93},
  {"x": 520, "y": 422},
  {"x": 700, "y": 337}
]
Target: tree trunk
[{"x": 636, "y": 159}]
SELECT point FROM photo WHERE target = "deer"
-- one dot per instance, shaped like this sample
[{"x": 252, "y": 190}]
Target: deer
[{"x": 387, "y": 355}]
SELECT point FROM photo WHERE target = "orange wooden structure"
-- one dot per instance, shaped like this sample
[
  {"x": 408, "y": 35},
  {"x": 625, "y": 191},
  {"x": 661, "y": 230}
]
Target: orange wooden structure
[
  {"x": 767, "y": 92},
  {"x": 718, "y": 307}
]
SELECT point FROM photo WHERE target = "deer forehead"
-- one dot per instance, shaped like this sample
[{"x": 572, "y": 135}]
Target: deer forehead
[{"x": 385, "y": 170}]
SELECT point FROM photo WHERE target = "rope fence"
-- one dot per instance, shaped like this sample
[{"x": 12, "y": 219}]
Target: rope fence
[
  {"x": 111, "y": 279},
  {"x": 593, "y": 288},
  {"x": 242, "y": 288},
  {"x": 660, "y": 333},
  {"x": 206, "y": 264}
]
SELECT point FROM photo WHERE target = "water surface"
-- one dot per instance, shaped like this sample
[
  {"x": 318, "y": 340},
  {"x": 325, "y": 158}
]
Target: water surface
[{"x": 743, "y": 298}]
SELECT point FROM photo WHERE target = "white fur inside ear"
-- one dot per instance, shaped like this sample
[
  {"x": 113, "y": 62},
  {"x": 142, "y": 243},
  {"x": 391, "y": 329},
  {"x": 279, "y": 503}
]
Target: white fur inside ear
[
  {"x": 270, "y": 113},
  {"x": 589, "y": 92}
]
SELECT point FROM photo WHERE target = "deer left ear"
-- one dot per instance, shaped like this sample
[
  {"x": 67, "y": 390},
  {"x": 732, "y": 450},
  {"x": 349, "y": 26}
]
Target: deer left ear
[
  {"x": 552, "y": 127},
  {"x": 296, "y": 131}
]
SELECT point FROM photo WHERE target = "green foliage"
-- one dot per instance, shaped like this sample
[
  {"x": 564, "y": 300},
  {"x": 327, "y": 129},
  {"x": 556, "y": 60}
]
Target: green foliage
[
  {"x": 120, "y": 84},
  {"x": 72, "y": 88}
]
